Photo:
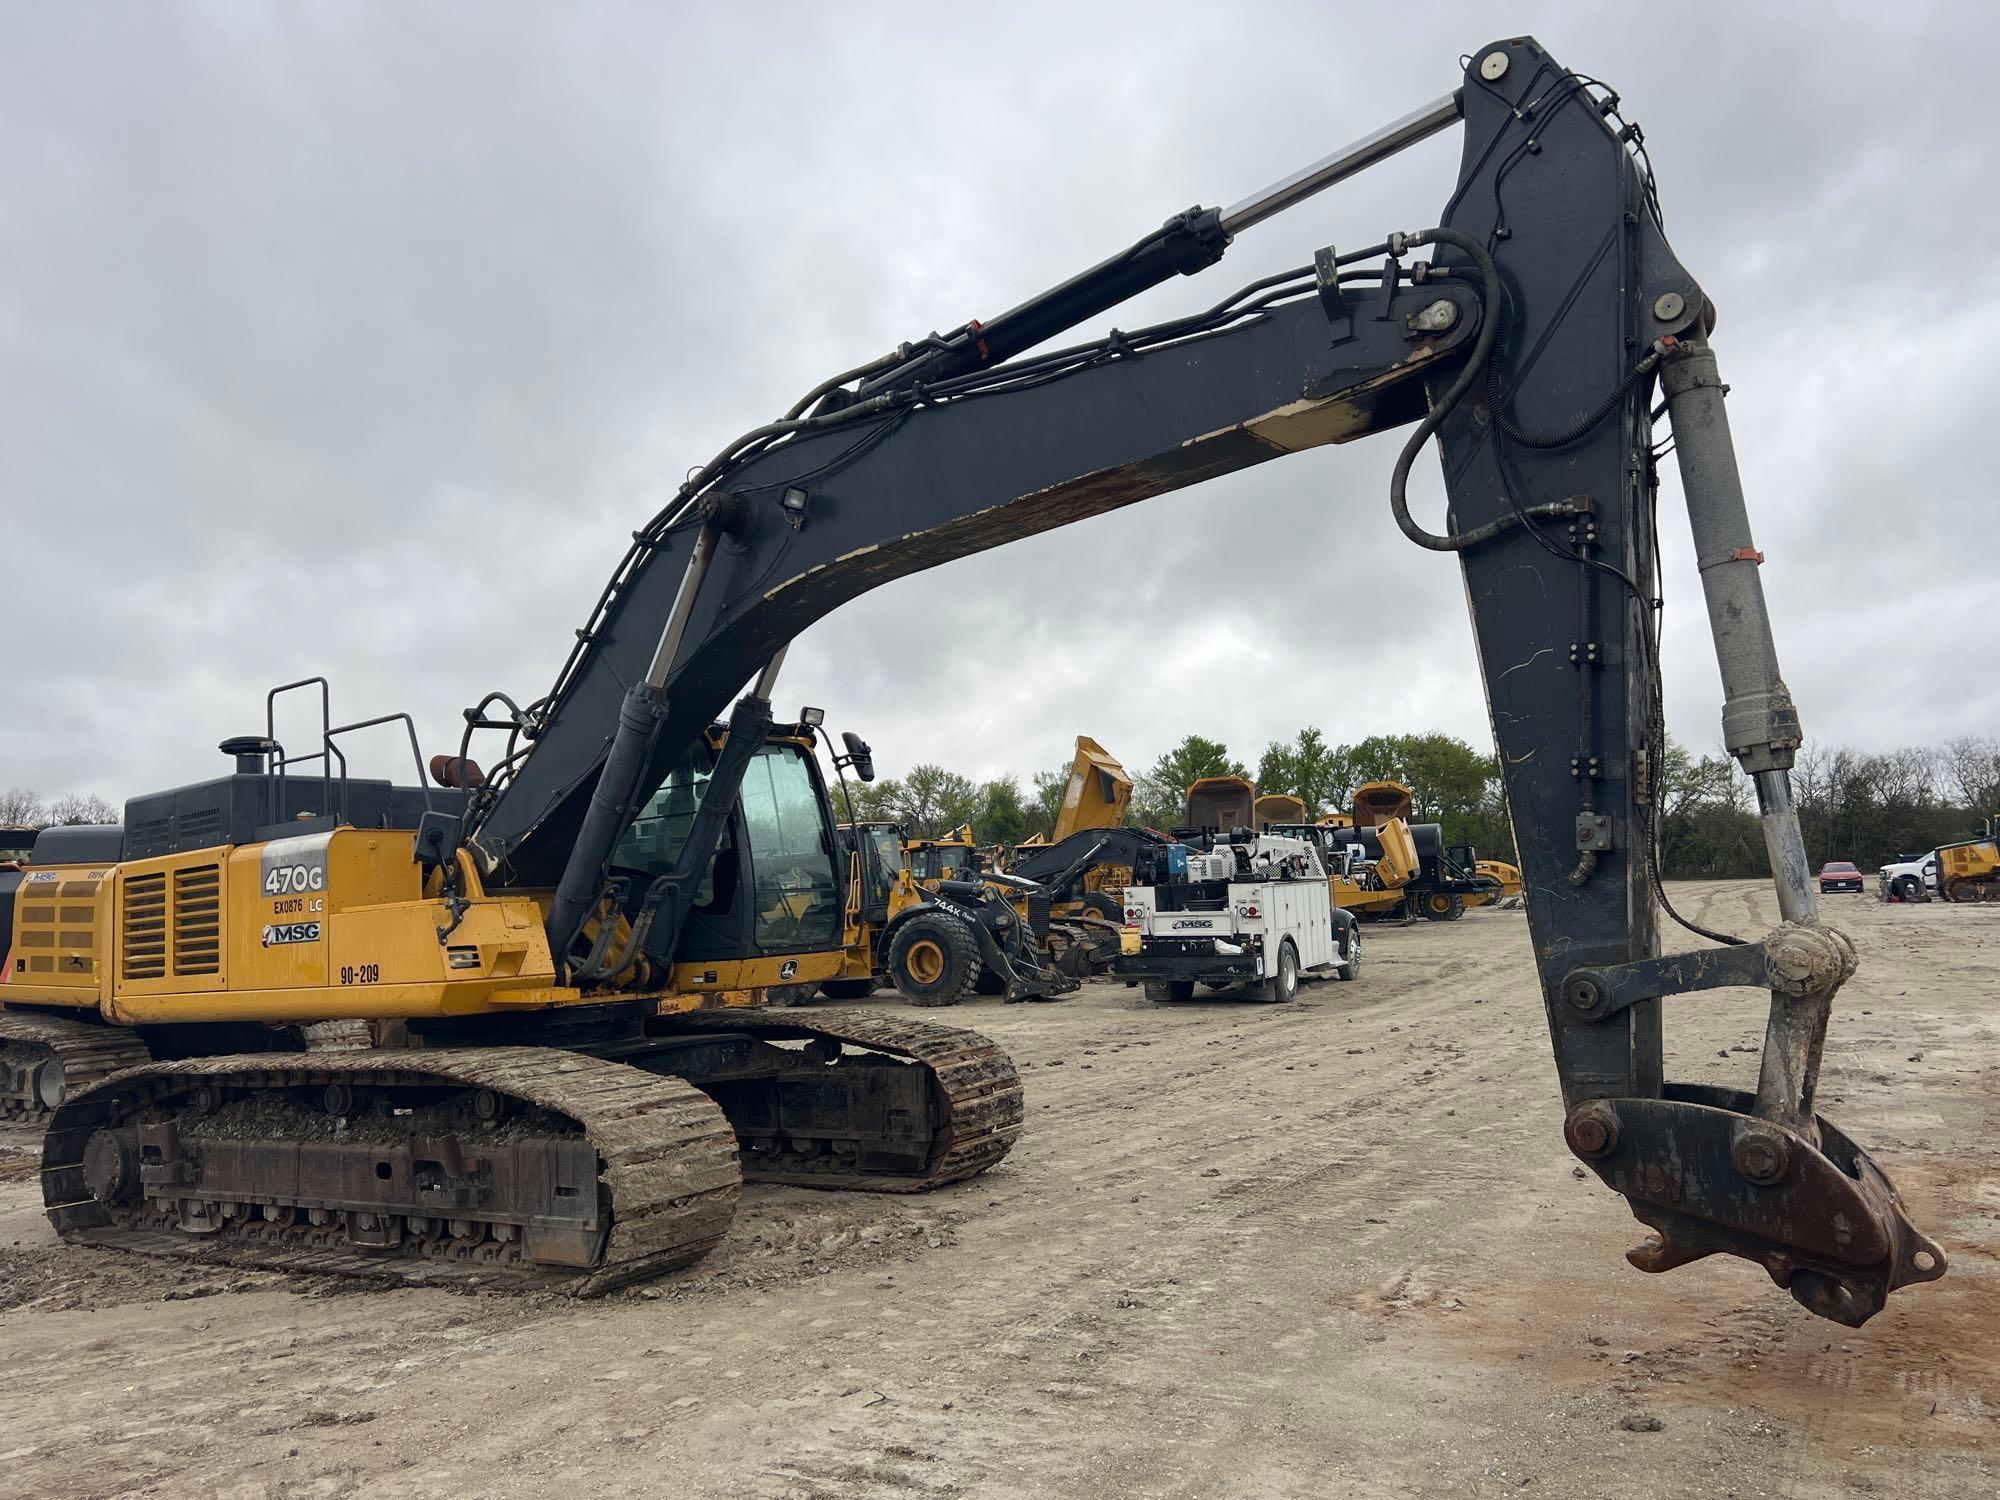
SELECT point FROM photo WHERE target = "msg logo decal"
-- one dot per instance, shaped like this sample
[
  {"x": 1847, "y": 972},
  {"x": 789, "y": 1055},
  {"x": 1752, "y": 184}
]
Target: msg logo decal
[
  {"x": 291, "y": 932},
  {"x": 1201, "y": 924}
]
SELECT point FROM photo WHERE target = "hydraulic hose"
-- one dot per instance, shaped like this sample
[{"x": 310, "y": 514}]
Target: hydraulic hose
[{"x": 1475, "y": 364}]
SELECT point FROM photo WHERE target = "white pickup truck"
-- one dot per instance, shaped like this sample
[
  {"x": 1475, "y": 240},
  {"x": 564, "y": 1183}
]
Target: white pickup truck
[
  {"x": 1911, "y": 878},
  {"x": 1252, "y": 913}
]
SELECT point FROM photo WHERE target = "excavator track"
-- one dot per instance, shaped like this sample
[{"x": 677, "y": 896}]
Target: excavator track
[
  {"x": 523, "y": 1167},
  {"x": 974, "y": 1109},
  {"x": 44, "y": 1059}
]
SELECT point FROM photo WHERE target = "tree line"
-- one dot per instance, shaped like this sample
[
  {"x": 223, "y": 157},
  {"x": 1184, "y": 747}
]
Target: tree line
[
  {"x": 1867, "y": 807},
  {"x": 21, "y": 808}
]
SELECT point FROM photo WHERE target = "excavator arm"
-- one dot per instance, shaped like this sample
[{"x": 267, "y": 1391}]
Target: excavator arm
[{"x": 1531, "y": 344}]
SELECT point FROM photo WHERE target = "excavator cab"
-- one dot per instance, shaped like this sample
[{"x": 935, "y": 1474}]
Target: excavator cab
[{"x": 773, "y": 885}]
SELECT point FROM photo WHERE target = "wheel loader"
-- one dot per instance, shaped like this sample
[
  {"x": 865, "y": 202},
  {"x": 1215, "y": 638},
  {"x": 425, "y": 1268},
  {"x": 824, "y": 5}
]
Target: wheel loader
[
  {"x": 921, "y": 916},
  {"x": 560, "y": 1119}
]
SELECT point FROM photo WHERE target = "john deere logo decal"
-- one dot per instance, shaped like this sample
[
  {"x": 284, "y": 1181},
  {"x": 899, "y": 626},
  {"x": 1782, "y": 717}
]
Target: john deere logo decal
[{"x": 788, "y": 968}]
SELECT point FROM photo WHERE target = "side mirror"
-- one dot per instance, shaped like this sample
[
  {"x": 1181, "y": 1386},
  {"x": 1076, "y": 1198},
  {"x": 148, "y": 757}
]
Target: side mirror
[{"x": 859, "y": 755}]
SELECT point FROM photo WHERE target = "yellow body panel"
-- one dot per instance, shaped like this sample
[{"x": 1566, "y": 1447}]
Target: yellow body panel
[
  {"x": 694, "y": 985},
  {"x": 1508, "y": 876},
  {"x": 1399, "y": 864},
  {"x": 57, "y": 954},
  {"x": 1969, "y": 861},
  {"x": 1969, "y": 871},
  {"x": 1098, "y": 792},
  {"x": 1351, "y": 897},
  {"x": 328, "y": 926}
]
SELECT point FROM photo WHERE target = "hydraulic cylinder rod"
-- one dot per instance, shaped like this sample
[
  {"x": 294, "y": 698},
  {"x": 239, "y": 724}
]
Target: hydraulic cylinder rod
[
  {"x": 1760, "y": 725},
  {"x": 639, "y": 716},
  {"x": 1187, "y": 243},
  {"x": 1357, "y": 156}
]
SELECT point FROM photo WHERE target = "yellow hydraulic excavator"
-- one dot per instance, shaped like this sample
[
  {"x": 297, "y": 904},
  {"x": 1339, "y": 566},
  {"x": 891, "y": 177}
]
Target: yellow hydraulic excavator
[{"x": 534, "y": 930}]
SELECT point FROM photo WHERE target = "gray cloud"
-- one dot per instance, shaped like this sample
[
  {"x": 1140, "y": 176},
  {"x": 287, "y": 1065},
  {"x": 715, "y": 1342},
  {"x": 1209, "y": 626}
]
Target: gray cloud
[{"x": 355, "y": 339}]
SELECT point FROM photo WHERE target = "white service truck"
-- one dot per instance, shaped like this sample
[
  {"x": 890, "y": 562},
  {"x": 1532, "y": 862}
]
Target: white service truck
[
  {"x": 1910, "y": 877},
  {"x": 1250, "y": 912}
]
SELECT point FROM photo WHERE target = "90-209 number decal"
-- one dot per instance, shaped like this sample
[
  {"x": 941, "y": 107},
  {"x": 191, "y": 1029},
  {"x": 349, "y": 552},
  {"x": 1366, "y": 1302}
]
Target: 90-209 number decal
[{"x": 361, "y": 974}]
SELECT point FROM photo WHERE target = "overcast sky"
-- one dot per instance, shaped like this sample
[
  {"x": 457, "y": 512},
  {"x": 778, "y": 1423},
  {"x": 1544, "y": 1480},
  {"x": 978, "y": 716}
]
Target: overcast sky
[{"x": 355, "y": 339}]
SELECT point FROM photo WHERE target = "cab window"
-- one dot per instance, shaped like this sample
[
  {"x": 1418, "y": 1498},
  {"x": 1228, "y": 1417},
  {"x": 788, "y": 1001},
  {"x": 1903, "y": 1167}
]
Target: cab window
[
  {"x": 655, "y": 838},
  {"x": 887, "y": 844},
  {"x": 784, "y": 824}
]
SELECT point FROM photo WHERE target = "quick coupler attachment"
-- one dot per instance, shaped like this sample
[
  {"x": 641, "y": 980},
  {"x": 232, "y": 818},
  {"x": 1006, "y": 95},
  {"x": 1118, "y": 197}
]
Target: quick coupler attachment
[{"x": 1709, "y": 1178}]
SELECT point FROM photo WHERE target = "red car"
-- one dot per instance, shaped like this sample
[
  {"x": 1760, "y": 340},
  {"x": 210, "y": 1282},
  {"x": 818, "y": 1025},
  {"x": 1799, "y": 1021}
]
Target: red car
[{"x": 1838, "y": 875}]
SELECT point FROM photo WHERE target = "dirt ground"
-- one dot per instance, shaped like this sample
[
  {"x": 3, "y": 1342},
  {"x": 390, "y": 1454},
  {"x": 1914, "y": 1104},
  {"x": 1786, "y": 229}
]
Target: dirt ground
[{"x": 1327, "y": 1249}]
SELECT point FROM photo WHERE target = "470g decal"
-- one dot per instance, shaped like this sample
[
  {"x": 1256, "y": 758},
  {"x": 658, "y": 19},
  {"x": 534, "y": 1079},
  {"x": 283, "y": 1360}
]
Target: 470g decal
[{"x": 295, "y": 867}]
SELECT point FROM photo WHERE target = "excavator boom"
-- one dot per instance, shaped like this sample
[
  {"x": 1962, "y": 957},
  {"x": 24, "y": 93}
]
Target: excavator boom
[{"x": 1532, "y": 345}]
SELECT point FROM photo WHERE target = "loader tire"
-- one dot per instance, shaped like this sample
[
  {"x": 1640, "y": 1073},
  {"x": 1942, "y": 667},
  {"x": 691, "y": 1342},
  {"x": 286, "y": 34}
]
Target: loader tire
[
  {"x": 934, "y": 959},
  {"x": 1442, "y": 906},
  {"x": 1103, "y": 904}
]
